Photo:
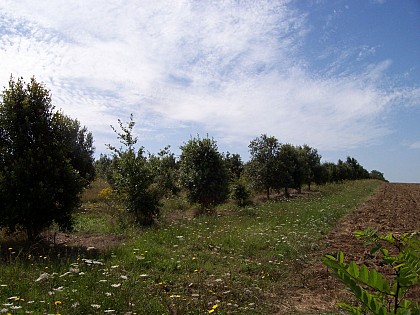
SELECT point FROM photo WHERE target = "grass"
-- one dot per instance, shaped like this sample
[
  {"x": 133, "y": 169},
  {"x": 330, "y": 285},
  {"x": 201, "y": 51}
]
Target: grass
[{"x": 231, "y": 263}]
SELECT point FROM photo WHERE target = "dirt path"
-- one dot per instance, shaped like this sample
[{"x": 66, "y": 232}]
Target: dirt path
[{"x": 394, "y": 208}]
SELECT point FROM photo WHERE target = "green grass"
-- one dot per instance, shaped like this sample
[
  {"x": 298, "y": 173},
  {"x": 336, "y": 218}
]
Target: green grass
[{"x": 231, "y": 263}]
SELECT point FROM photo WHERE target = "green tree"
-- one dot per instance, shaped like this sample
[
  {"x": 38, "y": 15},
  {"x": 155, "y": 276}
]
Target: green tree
[
  {"x": 234, "y": 165},
  {"x": 374, "y": 174},
  {"x": 312, "y": 162},
  {"x": 46, "y": 160},
  {"x": 203, "y": 173},
  {"x": 356, "y": 171},
  {"x": 291, "y": 168},
  {"x": 133, "y": 177},
  {"x": 263, "y": 170},
  {"x": 165, "y": 169}
]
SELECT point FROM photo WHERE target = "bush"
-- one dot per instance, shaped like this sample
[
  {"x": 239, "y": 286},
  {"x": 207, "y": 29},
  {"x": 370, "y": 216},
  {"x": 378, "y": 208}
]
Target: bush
[
  {"x": 376, "y": 293},
  {"x": 203, "y": 173},
  {"x": 133, "y": 177},
  {"x": 240, "y": 193},
  {"x": 46, "y": 160}
]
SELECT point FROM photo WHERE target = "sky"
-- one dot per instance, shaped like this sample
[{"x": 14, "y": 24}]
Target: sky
[{"x": 341, "y": 76}]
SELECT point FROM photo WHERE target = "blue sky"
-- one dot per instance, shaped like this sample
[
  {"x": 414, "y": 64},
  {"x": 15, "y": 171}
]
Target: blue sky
[{"x": 340, "y": 76}]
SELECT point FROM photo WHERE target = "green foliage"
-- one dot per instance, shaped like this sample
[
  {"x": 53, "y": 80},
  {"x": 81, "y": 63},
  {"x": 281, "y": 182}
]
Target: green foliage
[
  {"x": 133, "y": 176},
  {"x": 240, "y": 193},
  {"x": 312, "y": 163},
  {"x": 203, "y": 173},
  {"x": 46, "y": 159},
  {"x": 374, "y": 174},
  {"x": 263, "y": 170},
  {"x": 291, "y": 168},
  {"x": 377, "y": 294},
  {"x": 234, "y": 165},
  {"x": 165, "y": 170}
]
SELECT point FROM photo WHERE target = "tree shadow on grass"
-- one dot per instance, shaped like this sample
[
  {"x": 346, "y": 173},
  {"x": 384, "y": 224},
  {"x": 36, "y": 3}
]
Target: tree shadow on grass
[{"x": 57, "y": 246}]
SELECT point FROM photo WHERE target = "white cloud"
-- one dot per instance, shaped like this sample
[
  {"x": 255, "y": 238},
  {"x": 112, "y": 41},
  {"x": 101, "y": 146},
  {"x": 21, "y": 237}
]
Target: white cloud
[
  {"x": 415, "y": 145},
  {"x": 234, "y": 69}
]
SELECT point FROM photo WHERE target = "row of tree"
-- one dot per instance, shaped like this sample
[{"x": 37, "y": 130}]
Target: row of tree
[
  {"x": 46, "y": 160},
  {"x": 209, "y": 177}
]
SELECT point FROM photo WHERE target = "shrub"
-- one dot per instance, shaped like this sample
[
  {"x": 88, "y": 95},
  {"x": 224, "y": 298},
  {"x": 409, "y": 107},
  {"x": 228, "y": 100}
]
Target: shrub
[
  {"x": 376, "y": 293},
  {"x": 133, "y": 177},
  {"x": 203, "y": 173},
  {"x": 240, "y": 193},
  {"x": 46, "y": 160}
]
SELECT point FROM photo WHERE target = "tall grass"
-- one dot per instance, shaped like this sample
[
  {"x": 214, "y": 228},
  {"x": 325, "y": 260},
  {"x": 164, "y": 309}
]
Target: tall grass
[{"x": 233, "y": 262}]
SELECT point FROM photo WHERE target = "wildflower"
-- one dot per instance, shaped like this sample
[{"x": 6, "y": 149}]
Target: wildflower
[
  {"x": 97, "y": 306},
  {"x": 65, "y": 274},
  {"x": 123, "y": 277},
  {"x": 42, "y": 277},
  {"x": 15, "y": 307},
  {"x": 213, "y": 309},
  {"x": 116, "y": 285}
]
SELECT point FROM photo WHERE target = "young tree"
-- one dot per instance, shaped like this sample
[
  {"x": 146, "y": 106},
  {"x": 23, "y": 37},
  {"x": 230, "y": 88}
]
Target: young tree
[
  {"x": 133, "y": 177},
  {"x": 234, "y": 165},
  {"x": 263, "y": 170},
  {"x": 291, "y": 168},
  {"x": 374, "y": 174},
  {"x": 46, "y": 160},
  {"x": 312, "y": 163},
  {"x": 203, "y": 173},
  {"x": 165, "y": 170}
]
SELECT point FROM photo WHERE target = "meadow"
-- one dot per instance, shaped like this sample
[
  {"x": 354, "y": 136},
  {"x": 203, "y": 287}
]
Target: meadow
[{"x": 235, "y": 262}]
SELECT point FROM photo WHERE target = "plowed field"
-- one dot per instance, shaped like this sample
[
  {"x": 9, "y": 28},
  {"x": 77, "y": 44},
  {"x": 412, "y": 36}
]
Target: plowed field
[{"x": 394, "y": 208}]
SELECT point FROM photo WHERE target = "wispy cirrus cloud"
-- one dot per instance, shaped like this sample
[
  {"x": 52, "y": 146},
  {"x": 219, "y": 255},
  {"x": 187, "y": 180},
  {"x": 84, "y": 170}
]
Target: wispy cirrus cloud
[
  {"x": 235, "y": 69},
  {"x": 415, "y": 145}
]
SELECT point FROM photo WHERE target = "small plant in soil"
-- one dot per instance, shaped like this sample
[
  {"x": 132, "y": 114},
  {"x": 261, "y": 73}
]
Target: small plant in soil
[{"x": 386, "y": 292}]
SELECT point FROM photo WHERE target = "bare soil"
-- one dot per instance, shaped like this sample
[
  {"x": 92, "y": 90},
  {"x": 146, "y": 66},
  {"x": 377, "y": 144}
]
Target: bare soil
[{"x": 394, "y": 208}]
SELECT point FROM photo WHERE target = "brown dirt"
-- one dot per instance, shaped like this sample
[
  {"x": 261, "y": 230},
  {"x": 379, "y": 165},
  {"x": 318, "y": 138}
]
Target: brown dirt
[{"x": 394, "y": 208}]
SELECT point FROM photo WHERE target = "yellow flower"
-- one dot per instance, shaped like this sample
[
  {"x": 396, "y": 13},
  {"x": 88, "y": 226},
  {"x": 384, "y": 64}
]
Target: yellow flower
[
  {"x": 213, "y": 309},
  {"x": 57, "y": 302}
]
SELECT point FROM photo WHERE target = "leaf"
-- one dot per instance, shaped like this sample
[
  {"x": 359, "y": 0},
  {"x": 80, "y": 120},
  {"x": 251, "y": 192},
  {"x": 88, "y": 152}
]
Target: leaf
[
  {"x": 353, "y": 270},
  {"x": 352, "y": 309},
  {"x": 363, "y": 273}
]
